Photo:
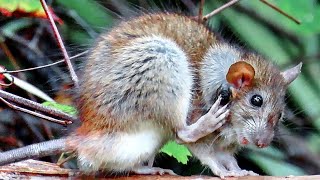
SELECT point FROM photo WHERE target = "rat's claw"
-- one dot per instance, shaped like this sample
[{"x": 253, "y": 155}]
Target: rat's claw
[
  {"x": 224, "y": 115},
  {"x": 221, "y": 110},
  {"x": 215, "y": 106}
]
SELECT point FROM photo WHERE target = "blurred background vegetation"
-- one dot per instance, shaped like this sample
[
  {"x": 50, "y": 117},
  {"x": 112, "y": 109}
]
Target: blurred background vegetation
[{"x": 29, "y": 42}]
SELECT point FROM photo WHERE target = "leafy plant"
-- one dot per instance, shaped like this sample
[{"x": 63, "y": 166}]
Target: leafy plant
[
  {"x": 179, "y": 152},
  {"x": 30, "y": 8}
]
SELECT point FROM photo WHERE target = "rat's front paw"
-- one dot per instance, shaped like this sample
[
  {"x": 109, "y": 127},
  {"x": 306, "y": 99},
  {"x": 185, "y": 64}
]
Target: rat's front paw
[
  {"x": 207, "y": 124},
  {"x": 215, "y": 117}
]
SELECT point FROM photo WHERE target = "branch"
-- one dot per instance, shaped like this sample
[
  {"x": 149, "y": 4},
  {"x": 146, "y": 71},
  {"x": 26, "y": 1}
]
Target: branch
[
  {"x": 36, "y": 106},
  {"x": 219, "y": 9},
  {"x": 200, "y": 13},
  {"x": 34, "y": 113},
  {"x": 74, "y": 76},
  {"x": 38, "y": 150}
]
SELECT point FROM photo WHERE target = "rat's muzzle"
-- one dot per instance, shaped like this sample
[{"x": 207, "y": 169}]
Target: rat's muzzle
[{"x": 263, "y": 139}]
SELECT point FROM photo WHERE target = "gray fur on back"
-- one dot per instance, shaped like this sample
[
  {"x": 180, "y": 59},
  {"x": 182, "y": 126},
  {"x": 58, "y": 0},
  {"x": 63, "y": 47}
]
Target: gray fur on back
[{"x": 148, "y": 77}]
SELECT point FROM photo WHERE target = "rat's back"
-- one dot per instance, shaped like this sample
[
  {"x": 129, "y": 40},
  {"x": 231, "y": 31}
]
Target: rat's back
[{"x": 140, "y": 69}]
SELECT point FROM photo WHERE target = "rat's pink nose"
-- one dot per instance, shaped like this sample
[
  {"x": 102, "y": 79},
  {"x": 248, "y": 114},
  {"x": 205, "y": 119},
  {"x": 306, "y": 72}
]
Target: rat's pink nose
[
  {"x": 263, "y": 140},
  {"x": 261, "y": 144}
]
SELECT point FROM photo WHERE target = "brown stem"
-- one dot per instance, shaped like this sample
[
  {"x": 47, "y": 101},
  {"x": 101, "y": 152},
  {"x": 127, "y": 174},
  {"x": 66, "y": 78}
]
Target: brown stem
[
  {"x": 34, "y": 113},
  {"x": 74, "y": 77},
  {"x": 200, "y": 14},
  {"x": 216, "y": 11},
  {"x": 36, "y": 106},
  {"x": 280, "y": 11}
]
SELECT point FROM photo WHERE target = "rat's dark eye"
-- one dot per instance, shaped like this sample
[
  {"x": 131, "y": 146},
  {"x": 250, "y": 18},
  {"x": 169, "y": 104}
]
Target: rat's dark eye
[{"x": 256, "y": 100}]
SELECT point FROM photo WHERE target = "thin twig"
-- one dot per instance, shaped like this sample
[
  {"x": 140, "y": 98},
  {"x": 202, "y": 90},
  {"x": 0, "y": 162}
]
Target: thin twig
[
  {"x": 280, "y": 11},
  {"x": 200, "y": 14},
  {"x": 34, "y": 113},
  {"x": 44, "y": 66},
  {"x": 61, "y": 45},
  {"x": 11, "y": 82},
  {"x": 36, "y": 106},
  {"x": 216, "y": 11}
]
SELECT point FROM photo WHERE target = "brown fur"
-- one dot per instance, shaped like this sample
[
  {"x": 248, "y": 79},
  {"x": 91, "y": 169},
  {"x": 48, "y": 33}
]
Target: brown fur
[{"x": 192, "y": 37}]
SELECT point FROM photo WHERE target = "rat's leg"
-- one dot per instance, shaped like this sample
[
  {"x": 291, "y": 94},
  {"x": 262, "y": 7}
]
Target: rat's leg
[
  {"x": 207, "y": 124},
  {"x": 232, "y": 166},
  {"x": 222, "y": 164},
  {"x": 151, "y": 161},
  {"x": 148, "y": 169}
]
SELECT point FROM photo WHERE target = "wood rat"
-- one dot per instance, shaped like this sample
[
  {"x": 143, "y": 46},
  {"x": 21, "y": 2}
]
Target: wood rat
[{"x": 158, "y": 77}]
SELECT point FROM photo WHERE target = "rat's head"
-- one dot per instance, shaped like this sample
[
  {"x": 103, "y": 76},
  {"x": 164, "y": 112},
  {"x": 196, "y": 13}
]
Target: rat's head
[{"x": 258, "y": 90}]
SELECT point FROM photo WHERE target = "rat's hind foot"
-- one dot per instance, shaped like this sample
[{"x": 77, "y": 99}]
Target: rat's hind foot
[
  {"x": 152, "y": 170},
  {"x": 237, "y": 173}
]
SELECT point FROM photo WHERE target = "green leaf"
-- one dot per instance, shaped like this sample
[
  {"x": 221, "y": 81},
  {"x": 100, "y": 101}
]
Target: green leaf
[
  {"x": 179, "y": 152},
  {"x": 30, "y": 5},
  {"x": 9, "y": 5},
  {"x": 21, "y": 5},
  {"x": 64, "y": 108}
]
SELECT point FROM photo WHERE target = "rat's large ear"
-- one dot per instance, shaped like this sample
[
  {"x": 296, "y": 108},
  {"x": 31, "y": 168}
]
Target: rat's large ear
[
  {"x": 240, "y": 74},
  {"x": 291, "y": 74}
]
